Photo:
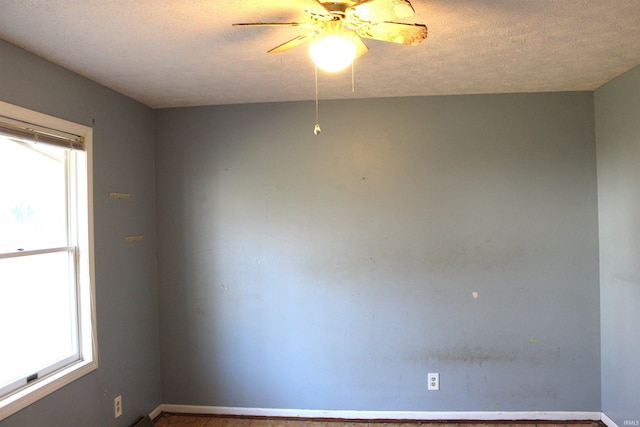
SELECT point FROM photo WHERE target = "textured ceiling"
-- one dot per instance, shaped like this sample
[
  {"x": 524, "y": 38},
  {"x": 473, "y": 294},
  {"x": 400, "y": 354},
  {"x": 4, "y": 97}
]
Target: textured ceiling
[{"x": 173, "y": 53}]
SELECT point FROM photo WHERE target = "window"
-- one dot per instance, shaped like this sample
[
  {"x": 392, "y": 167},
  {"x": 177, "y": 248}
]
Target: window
[{"x": 47, "y": 311}]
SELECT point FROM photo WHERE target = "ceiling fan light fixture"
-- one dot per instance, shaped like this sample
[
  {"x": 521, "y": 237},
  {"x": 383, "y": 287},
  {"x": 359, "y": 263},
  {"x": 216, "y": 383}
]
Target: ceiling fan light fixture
[{"x": 333, "y": 52}]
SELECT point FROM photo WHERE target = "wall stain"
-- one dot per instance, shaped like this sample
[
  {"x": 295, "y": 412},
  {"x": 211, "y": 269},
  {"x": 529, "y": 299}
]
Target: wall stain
[
  {"x": 200, "y": 311},
  {"x": 477, "y": 355},
  {"x": 480, "y": 355}
]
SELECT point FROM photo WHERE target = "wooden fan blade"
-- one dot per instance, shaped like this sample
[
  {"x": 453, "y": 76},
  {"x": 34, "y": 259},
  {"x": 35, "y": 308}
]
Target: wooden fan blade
[
  {"x": 274, "y": 24},
  {"x": 394, "y": 32},
  {"x": 361, "y": 48},
  {"x": 294, "y": 42},
  {"x": 318, "y": 9},
  {"x": 382, "y": 10}
]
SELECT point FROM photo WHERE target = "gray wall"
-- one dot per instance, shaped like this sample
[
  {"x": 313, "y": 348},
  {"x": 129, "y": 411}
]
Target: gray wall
[
  {"x": 335, "y": 272},
  {"x": 617, "y": 107},
  {"x": 126, "y": 289}
]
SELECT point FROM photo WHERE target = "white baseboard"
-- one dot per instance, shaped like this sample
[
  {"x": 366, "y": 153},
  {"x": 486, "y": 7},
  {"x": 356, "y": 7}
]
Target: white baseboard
[
  {"x": 608, "y": 421},
  {"x": 154, "y": 414},
  {"x": 386, "y": 415}
]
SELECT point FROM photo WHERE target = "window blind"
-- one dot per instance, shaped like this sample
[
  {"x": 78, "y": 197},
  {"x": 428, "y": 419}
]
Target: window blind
[{"x": 27, "y": 132}]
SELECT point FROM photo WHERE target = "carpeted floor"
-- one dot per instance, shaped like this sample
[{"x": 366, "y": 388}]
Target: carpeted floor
[{"x": 173, "y": 420}]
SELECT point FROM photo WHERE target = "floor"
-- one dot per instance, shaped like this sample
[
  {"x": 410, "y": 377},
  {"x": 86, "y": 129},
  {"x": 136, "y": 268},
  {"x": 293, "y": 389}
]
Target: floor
[{"x": 173, "y": 420}]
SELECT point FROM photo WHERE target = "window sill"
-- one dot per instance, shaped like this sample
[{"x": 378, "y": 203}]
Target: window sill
[{"x": 13, "y": 403}]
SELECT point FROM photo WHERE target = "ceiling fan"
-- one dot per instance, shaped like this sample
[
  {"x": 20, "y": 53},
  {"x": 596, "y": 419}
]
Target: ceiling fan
[{"x": 337, "y": 29}]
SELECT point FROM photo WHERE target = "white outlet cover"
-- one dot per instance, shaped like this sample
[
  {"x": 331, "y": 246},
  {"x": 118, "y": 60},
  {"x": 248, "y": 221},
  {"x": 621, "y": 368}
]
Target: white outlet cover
[
  {"x": 117, "y": 406},
  {"x": 434, "y": 381}
]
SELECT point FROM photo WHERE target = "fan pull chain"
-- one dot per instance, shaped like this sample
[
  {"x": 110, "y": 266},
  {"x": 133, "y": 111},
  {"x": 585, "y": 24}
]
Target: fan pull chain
[
  {"x": 316, "y": 129},
  {"x": 353, "y": 76}
]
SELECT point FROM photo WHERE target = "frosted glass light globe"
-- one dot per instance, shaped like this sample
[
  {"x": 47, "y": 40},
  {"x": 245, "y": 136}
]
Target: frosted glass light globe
[{"x": 332, "y": 53}]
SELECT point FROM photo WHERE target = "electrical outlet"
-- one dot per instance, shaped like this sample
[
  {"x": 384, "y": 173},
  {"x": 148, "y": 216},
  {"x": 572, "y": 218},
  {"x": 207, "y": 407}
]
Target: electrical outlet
[
  {"x": 117, "y": 406},
  {"x": 434, "y": 381}
]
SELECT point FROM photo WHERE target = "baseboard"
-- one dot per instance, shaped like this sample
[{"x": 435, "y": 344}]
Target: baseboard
[
  {"x": 156, "y": 412},
  {"x": 607, "y": 421},
  {"x": 385, "y": 415}
]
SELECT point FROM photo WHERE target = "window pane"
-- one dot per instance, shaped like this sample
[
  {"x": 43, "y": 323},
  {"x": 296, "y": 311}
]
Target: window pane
[
  {"x": 37, "y": 313},
  {"x": 33, "y": 203}
]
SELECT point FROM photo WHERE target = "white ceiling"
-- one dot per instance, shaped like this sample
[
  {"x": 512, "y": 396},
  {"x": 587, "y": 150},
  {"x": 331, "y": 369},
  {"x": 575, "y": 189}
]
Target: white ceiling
[{"x": 173, "y": 53}]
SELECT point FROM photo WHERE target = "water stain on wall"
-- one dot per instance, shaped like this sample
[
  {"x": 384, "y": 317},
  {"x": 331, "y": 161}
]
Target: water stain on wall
[{"x": 472, "y": 355}]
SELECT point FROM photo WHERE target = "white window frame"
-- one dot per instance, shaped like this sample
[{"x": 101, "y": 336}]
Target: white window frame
[{"x": 83, "y": 214}]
